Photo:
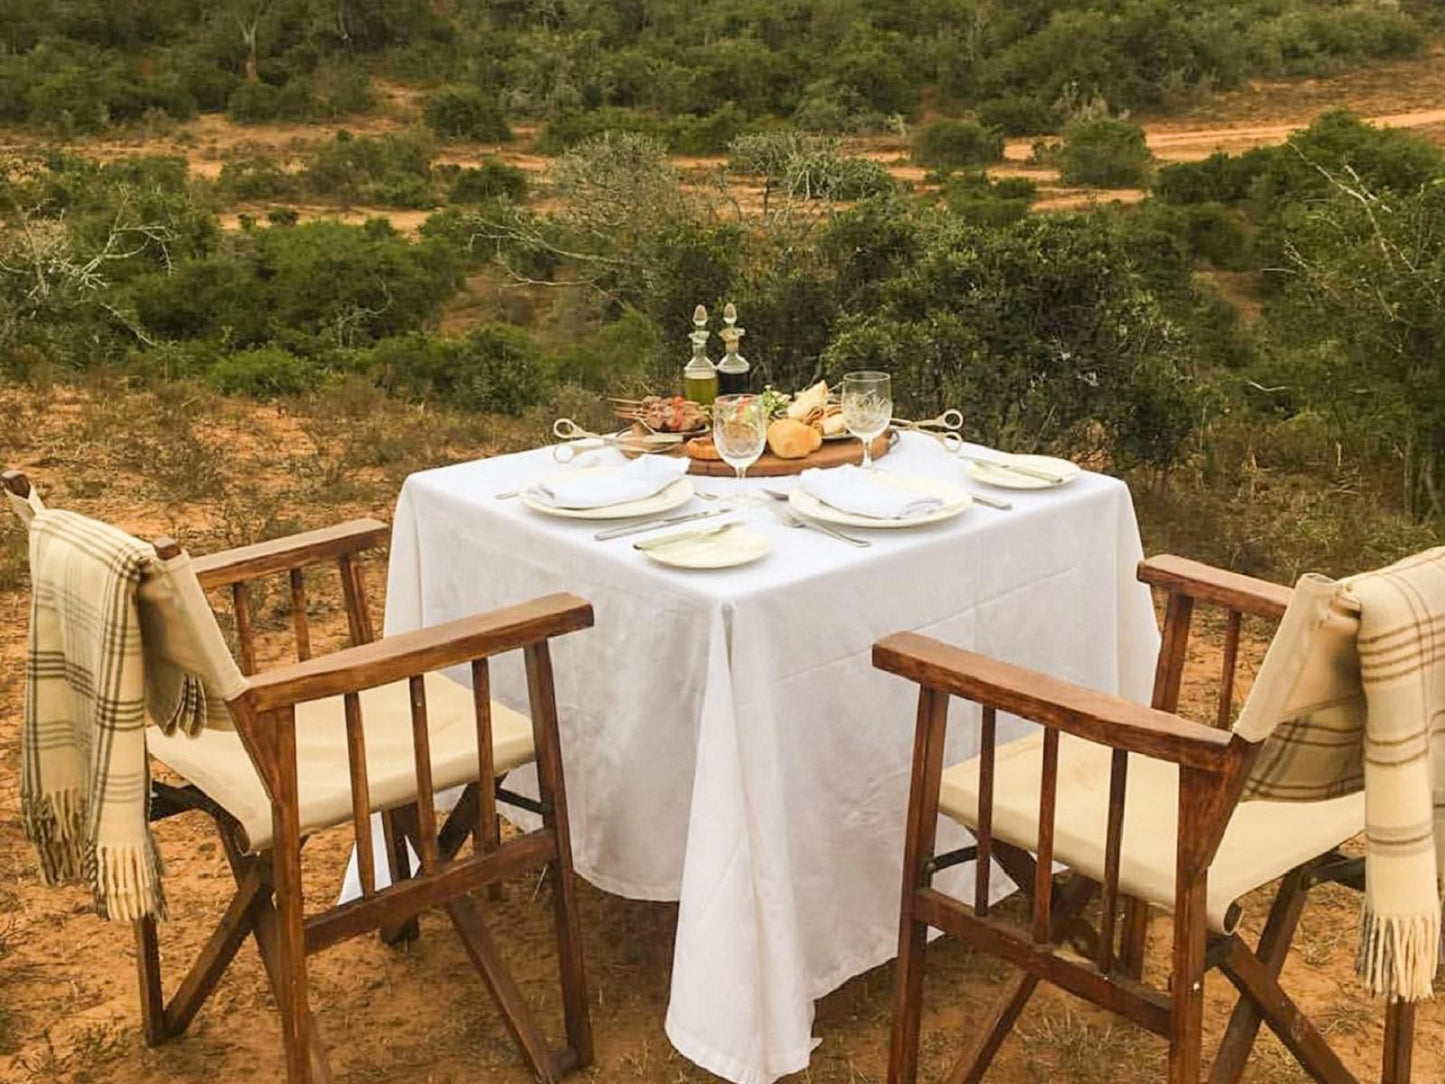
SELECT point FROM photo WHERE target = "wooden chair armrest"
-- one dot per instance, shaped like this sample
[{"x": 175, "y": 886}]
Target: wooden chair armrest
[
  {"x": 381, "y": 662},
  {"x": 294, "y": 551},
  {"x": 1095, "y": 716},
  {"x": 1205, "y": 583}
]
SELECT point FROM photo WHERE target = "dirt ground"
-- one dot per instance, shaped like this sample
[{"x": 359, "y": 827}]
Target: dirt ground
[{"x": 217, "y": 473}]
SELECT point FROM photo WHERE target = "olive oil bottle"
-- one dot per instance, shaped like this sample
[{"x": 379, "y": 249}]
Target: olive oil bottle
[{"x": 699, "y": 376}]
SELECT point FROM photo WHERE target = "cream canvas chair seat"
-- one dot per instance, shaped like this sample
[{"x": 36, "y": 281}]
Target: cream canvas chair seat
[
  {"x": 1264, "y": 840},
  {"x": 216, "y": 761}
]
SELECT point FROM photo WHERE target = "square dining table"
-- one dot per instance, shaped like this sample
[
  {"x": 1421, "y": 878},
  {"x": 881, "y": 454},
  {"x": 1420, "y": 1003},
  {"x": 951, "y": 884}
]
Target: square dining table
[{"x": 727, "y": 741}]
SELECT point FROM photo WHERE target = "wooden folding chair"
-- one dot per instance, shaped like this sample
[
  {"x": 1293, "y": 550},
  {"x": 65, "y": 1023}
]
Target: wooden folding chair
[
  {"x": 1144, "y": 809},
  {"x": 329, "y": 740}
]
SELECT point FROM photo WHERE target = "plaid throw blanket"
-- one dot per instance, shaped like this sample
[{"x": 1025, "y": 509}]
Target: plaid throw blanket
[
  {"x": 1355, "y": 681},
  {"x": 85, "y": 783}
]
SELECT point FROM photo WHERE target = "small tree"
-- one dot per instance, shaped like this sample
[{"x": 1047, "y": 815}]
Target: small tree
[
  {"x": 947, "y": 145},
  {"x": 1105, "y": 153}
]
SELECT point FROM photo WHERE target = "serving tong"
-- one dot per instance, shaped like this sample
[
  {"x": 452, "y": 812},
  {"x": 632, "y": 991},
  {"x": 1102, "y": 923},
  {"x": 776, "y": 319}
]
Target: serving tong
[
  {"x": 579, "y": 440},
  {"x": 945, "y": 429}
]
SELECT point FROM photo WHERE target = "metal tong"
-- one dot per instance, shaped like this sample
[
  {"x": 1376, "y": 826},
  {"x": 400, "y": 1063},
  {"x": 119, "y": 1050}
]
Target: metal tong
[
  {"x": 581, "y": 440},
  {"x": 943, "y": 429}
]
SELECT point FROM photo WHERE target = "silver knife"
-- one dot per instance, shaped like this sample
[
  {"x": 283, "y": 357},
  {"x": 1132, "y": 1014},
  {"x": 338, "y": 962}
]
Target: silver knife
[
  {"x": 991, "y": 502},
  {"x": 1017, "y": 468},
  {"x": 683, "y": 536},
  {"x": 653, "y": 524}
]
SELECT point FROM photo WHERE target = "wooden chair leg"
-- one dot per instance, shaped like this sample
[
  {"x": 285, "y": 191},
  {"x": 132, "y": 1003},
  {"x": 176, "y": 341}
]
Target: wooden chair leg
[
  {"x": 148, "y": 969},
  {"x": 220, "y": 949},
  {"x": 1299, "y": 1035},
  {"x": 553, "y": 791},
  {"x": 1133, "y": 938},
  {"x": 504, "y": 990},
  {"x": 1399, "y": 1042},
  {"x": 1274, "y": 942},
  {"x": 1186, "y": 986},
  {"x": 290, "y": 902},
  {"x": 264, "y": 929},
  {"x": 395, "y": 824},
  {"x": 920, "y": 832},
  {"x": 990, "y": 1035}
]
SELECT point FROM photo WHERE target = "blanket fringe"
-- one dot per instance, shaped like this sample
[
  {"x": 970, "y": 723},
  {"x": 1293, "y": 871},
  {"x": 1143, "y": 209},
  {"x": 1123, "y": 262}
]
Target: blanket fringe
[
  {"x": 124, "y": 880},
  {"x": 1399, "y": 954},
  {"x": 55, "y": 825}
]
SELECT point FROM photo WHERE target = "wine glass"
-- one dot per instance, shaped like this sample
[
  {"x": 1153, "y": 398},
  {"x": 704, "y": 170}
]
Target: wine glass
[
  {"x": 739, "y": 431},
  {"x": 867, "y": 408}
]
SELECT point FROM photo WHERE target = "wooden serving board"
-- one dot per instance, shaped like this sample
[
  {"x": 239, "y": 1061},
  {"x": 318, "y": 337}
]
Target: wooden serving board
[{"x": 832, "y": 454}]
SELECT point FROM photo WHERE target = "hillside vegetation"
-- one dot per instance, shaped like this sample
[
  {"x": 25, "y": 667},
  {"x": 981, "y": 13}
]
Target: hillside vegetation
[
  {"x": 1262, "y": 331},
  {"x": 695, "y": 73}
]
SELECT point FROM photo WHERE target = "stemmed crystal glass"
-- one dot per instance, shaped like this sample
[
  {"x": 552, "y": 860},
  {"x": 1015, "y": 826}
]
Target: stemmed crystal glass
[
  {"x": 739, "y": 431},
  {"x": 867, "y": 408}
]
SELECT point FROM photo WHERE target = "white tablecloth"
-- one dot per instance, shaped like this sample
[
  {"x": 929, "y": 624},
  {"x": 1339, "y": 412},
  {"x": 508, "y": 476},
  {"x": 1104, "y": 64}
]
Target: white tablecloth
[{"x": 727, "y": 741}]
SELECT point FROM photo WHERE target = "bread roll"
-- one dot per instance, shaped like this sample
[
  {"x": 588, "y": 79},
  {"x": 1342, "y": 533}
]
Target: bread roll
[
  {"x": 702, "y": 448},
  {"x": 789, "y": 439}
]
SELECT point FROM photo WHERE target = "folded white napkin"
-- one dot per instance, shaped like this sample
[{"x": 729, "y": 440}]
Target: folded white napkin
[
  {"x": 859, "y": 492},
  {"x": 634, "y": 481}
]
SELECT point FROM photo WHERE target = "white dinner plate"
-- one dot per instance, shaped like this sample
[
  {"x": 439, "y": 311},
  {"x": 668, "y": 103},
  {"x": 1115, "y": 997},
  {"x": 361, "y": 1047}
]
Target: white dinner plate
[
  {"x": 955, "y": 500},
  {"x": 671, "y": 496},
  {"x": 1008, "y": 479},
  {"x": 735, "y": 545}
]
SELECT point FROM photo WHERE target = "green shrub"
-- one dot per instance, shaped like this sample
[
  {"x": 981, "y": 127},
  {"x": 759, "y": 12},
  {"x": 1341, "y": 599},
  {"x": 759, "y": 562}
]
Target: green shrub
[
  {"x": 256, "y": 178},
  {"x": 1040, "y": 331},
  {"x": 283, "y": 216},
  {"x": 615, "y": 356},
  {"x": 953, "y": 144},
  {"x": 263, "y": 373},
  {"x": 572, "y": 128},
  {"x": 1018, "y": 115},
  {"x": 493, "y": 179},
  {"x": 707, "y": 134},
  {"x": 256, "y": 103},
  {"x": 497, "y": 368},
  {"x": 466, "y": 113},
  {"x": 340, "y": 88},
  {"x": 1106, "y": 153},
  {"x": 824, "y": 174},
  {"x": 978, "y": 200},
  {"x": 389, "y": 170},
  {"x": 767, "y": 154},
  {"x": 350, "y": 284}
]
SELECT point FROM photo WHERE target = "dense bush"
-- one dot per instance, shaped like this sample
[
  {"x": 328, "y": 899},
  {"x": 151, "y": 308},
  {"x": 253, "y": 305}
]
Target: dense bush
[
  {"x": 1336, "y": 143},
  {"x": 1040, "y": 332},
  {"x": 983, "y": 202},
  {"x": 1105, "y": 153},
  {"x": 496, "y": 367},
  {"x": 389, "y": 170},
  {"x": 338, "y": 283},
  {"x": 1018, "y": 115},
  {"x": 493, "y": 179},
  {"x": 954, "y": 144},
  {"x": 263, "y": 373},
  {"x": 256, "y": 178},
  {"x": 466, "y": 113}
]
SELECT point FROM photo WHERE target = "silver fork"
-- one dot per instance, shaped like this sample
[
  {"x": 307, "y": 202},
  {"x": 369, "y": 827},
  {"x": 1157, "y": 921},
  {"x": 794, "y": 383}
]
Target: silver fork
[{"x": 788, "y": 518}]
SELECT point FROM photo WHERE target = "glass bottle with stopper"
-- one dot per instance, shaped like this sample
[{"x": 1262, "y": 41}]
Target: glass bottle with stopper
[
  {"x": 699, "y": 377},
  {"x": 734, "y": 373}
]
